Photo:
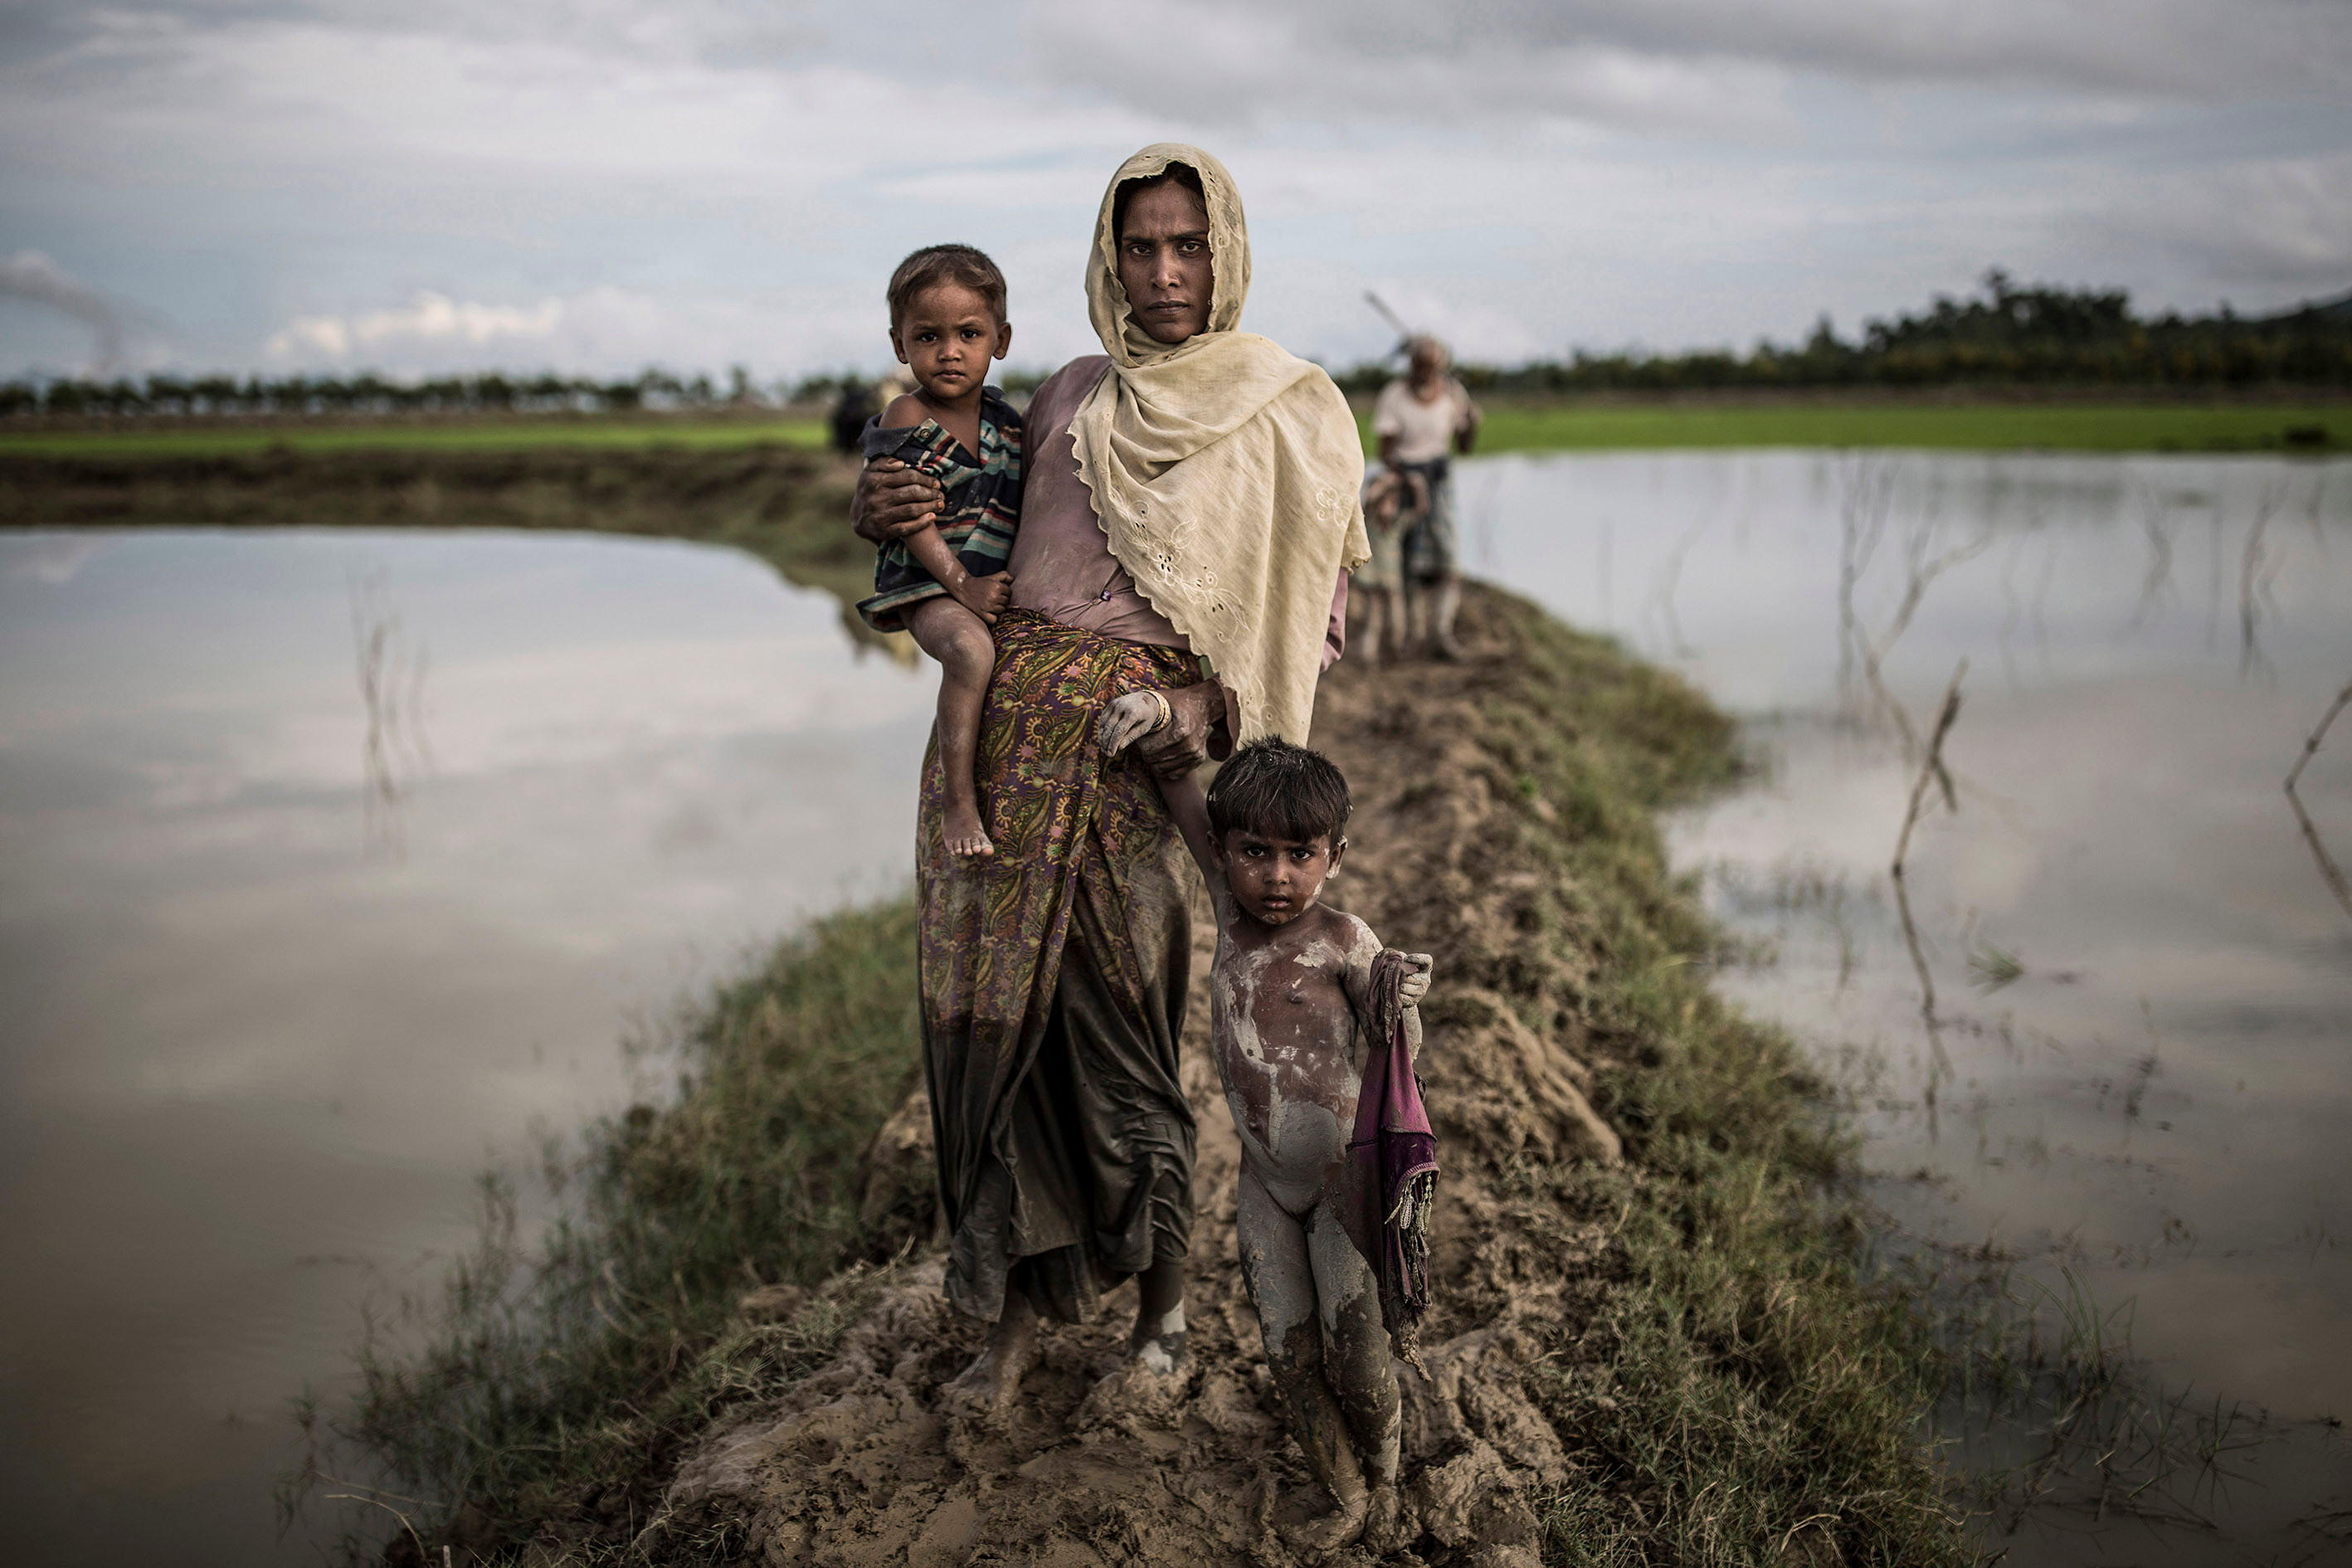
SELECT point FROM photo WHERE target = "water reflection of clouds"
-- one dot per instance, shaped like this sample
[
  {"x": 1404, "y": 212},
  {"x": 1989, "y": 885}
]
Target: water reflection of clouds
[
  {"x": 2159, "y": 555},
  {"x": 2151, "y": 641},
  {"x": 646, "y": 758},
  {"x": 55, "y": 559}
]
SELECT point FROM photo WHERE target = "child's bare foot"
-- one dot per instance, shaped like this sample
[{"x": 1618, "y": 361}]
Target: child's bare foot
[
  {"x": 1339, "y": 1528},
  {"x": 965, "y": 835},
  {"x": 1383, "y": 1517},
  {"x": 983, "y": 597}
]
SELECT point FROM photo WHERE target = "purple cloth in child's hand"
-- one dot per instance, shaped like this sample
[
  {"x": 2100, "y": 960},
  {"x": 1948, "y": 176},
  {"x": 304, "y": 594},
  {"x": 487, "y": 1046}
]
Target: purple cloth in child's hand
[{"x": 1395, "y": 1158}]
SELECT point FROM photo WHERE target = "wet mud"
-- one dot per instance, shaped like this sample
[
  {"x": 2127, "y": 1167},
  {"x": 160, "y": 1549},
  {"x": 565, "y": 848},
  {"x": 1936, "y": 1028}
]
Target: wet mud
[{"x": 858, "y": 1465}]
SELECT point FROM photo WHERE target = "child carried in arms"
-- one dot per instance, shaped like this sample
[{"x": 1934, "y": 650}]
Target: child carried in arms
[
  {"x": 946, "y": 581},
  {"x": 1308, "y": 1014}
]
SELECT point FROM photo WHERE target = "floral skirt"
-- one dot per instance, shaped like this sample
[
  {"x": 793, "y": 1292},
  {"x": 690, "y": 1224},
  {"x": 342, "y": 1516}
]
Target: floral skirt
[{"x": 1053, "y": 980}]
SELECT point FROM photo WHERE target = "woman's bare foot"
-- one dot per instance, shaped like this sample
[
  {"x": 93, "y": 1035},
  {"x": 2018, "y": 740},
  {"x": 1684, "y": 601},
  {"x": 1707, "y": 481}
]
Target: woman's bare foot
[
  {"x": 964, "y": 833},
  {"x": 984, "y": 1391}
]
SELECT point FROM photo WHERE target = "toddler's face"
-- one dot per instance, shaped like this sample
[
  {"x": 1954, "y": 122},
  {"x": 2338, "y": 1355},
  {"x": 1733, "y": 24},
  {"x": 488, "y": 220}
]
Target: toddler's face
[
  {"x": 1275, "y": 880},
  {"x": 947, "y": 337}
]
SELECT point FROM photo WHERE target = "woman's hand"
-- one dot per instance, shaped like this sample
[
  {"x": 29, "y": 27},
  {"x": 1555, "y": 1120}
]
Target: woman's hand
[
  {"x": 1415, "y": 986},
  {"x": 892, "y": 501},
  {"x": 1129, "y": 718},
  {"x": 1183, "y": 744}
]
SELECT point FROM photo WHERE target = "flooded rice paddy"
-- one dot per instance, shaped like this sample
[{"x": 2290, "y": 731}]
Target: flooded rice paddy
[
  {"x": 2102, "y": 1032},
  {"x": 336, "y": 864}
]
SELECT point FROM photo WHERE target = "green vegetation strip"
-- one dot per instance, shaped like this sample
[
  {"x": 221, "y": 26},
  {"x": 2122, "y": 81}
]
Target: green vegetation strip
[
  {"x": 160, "y": 439},
  {"x": 1990, "y": 427}
]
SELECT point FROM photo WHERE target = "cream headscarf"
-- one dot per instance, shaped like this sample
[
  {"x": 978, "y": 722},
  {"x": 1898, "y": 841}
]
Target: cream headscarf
[{"x": 1225, "y": 470}]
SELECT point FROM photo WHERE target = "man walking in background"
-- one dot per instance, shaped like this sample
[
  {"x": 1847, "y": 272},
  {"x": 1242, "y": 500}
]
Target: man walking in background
[{"x": 1421, "y": 420}]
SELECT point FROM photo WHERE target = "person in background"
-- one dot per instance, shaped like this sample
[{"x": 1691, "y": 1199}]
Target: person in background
[
  {"x": 1393, "y": 504},
  {"x": 1421, "y": 420},
  {"x": 852, "y": 412}
]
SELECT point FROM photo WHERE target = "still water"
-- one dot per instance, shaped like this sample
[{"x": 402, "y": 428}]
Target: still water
[
  {"x": 332, "y": 864},
  {"x": 2115, "y": 1041}
]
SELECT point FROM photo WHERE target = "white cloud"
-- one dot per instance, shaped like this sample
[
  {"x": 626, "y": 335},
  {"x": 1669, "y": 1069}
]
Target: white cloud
[{"x": 431, "y": 318}]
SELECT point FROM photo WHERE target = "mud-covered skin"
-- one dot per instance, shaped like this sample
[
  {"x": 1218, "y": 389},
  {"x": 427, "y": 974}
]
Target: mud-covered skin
[
  {"x": 1319, "y": 1307},
  {"x": 1287, "y": 1005}
]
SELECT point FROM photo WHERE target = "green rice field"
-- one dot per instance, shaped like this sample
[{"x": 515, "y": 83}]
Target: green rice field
[
  {"x": 2073, "y": 427},
  {"x": 1510, "y": 426}
]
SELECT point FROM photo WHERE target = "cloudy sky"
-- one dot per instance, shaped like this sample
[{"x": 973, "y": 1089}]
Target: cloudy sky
[{"x": 275, "y": 185}]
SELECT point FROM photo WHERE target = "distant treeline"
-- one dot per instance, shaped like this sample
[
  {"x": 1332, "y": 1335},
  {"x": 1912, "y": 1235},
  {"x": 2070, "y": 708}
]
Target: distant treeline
[
  {"x": 2007, "y": 336},
  {"x": 368, "y": 393}
]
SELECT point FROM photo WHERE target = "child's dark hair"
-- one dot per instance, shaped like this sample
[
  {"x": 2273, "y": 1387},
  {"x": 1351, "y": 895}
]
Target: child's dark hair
[
  {"x": 1183, "y": 174},
  {"x": 1276, "y": 790},
  {"x": 937, "y": 264}
]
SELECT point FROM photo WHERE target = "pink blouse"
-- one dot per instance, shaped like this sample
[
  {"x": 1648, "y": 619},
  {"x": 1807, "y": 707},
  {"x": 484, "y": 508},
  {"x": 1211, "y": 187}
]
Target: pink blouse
[{"x": 1062, "y": 566}]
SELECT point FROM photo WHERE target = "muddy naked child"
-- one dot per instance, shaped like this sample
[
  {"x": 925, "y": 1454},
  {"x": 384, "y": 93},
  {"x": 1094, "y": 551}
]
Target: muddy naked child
[
  {"x": 946, "y": 582},
  {"x": 1314, "y": 1025}
]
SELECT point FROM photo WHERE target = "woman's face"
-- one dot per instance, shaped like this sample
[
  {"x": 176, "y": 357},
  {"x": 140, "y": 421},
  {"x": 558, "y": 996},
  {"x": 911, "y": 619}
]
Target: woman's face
[{"x": 1163, "y": 261}]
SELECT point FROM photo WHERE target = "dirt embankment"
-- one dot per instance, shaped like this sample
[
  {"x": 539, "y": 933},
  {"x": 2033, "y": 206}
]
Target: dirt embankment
[{"x": 857, "y": 1465}]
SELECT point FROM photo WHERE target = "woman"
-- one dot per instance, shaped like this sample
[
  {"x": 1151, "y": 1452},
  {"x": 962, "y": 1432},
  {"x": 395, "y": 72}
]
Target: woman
[{"x": 1190, "y": 492}]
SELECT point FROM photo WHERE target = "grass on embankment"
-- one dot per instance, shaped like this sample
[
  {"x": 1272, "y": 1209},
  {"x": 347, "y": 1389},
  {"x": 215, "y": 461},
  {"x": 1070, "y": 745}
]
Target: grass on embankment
[
  {"x": 558, "y": 1384},
  {"x": 1742, "y": 1395}
]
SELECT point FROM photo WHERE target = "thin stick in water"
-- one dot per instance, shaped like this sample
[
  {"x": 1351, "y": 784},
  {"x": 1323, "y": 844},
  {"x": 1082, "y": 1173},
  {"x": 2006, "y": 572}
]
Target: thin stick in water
[
  {"x": 2329, "y": 871},
  {"x": 1932, "y": 770}
]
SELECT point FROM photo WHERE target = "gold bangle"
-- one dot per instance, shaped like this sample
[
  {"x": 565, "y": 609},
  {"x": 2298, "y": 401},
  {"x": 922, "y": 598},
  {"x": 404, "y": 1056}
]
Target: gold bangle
[{"x": 1167, "y": 714}]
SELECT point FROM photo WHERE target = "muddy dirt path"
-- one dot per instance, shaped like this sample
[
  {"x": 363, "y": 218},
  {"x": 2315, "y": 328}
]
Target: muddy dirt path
[{"x": 857, "y": 1466}]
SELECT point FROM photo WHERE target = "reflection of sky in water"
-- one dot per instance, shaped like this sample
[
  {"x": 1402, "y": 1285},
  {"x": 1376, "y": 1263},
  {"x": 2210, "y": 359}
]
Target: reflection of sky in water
[
  {"x": 258, "y": 1044},
  {"x": 2161, "y": 1098}
]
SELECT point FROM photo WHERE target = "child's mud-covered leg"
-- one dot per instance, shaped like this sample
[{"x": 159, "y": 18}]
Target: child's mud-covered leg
[
  {"x": 1157, "y": 1343},
  {"x": 1357, "y": 1360},
  {"x": 1276, "y": 1266},
  {"x": 960, "y": 640}
]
